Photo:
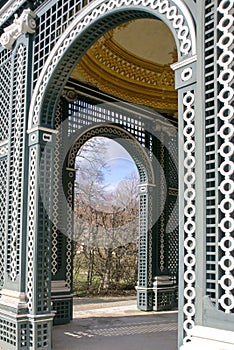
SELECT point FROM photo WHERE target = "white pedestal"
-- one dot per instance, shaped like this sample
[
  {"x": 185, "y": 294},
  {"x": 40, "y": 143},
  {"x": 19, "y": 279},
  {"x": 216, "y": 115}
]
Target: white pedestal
[{"x": 206, "y": 338}]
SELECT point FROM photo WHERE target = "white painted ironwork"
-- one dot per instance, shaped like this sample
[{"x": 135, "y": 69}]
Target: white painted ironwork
[
  {"x": 189, "y": 212},
  {"x": 16, "y": 164},
  {"x": 8, "y": 9},
  {"x": 31, "y": 227},
  {"x": 174, "y": 12},
  {"x": 24, "y": 24},
  {"x": 226, "y": 152},
  {"x": 5, "y": 88}
]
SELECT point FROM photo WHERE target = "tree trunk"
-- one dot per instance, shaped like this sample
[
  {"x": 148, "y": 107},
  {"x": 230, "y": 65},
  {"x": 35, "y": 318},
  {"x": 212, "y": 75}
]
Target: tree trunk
[
  {"x": 106, "y": 282},
  {"x": 90, "y": 269}
]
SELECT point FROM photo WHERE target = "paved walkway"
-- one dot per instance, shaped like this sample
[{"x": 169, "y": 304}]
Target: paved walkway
[{"x": 116, "y": 324}]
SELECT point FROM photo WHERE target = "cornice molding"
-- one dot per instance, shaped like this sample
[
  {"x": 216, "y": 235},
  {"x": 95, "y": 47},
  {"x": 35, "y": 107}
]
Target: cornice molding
[{"x": 183, "y": 63}]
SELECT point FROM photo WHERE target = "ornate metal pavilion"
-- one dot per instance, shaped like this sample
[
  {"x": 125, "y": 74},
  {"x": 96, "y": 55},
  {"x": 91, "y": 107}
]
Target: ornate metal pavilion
[{"x": 157, "y": 77}]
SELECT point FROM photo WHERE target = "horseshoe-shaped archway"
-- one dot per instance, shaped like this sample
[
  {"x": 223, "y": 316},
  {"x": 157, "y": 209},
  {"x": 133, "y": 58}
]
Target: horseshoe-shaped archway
[{"x": 96, "y": 19}]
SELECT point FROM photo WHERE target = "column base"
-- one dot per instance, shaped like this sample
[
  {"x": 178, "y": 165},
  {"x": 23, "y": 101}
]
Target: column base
[
  {"x": 165, "y": 294},
  {"x": 18, "y": 329},
  {"x": 206, "y": 338},
  {"x": 40, "y": 331},
  {"x": 13, "y": 320},
  {"x": 145, "y": 298},
  {"x": 62, "y": 301}
]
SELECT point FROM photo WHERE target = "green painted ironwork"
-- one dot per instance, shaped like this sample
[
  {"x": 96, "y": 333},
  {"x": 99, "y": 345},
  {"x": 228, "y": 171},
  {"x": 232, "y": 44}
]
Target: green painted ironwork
[{"x": 35, "y": 265}]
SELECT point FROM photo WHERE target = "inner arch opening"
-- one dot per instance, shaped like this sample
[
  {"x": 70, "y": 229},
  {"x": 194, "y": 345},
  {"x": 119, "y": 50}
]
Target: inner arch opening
[{"x": 106, "y": 222}]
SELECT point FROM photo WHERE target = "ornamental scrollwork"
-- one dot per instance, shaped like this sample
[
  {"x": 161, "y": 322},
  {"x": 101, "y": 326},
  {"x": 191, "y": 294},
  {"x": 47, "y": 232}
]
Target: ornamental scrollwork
[{"x": 21, "y": 25}]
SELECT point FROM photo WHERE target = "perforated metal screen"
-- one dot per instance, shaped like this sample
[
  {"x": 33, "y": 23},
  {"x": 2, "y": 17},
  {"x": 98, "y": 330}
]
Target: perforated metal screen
[{"x": 219, "y": 153}]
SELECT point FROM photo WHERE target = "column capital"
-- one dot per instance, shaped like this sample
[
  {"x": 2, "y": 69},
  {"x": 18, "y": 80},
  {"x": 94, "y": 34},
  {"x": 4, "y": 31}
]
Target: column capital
[
  {"x": 185, "y": 71},
  {"x": 21, "y": 25},
  {"x": 41, "y": 134}
]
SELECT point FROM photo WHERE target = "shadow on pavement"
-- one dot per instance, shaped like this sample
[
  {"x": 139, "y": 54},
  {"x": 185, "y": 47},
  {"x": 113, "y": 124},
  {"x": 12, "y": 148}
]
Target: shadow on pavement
[{"x": 149, "y": 331}]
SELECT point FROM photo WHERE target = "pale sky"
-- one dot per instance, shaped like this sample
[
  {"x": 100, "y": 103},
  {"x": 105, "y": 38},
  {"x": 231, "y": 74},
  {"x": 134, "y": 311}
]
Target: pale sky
[{"x": 119, "y": 163}]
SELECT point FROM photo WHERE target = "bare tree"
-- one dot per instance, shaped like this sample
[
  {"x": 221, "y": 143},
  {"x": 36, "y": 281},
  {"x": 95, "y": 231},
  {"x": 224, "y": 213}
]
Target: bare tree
[{"x": 106, "y": 223}]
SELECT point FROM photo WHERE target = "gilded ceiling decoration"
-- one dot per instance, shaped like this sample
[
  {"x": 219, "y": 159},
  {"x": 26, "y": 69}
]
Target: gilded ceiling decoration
[{"x": 113, "y": 69}]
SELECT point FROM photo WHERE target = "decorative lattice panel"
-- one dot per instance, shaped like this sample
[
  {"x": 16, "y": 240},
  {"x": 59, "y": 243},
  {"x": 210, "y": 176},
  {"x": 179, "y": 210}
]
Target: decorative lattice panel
[
  {"x": 219, "y": 153},
  {"x": 225, "y": 80},
  {"x": 165, "y": 149},
  {"x": 172, "y": 225},
  {"x": 44, "y": 227},
  {"x": 69, "y": 233},
  {"x": 16, "y": 164},
  {"x": 177, "y": 17},
  {"x": 189, "y": 211},
  {"x": 42, "y": 335},
  {"x": 31, "y": 225},
  {"x": 63, "y": 311},
  {"x": 56, "y": 255},
  {"x": 23, "y": 336},
  {"x": 142, "y": 276},
  {"x": 39, "y": 335},
  {"x": 211, "y": 149},
  {"x": 145, "y": 247},
  {"x": 173, "y": 235},
  {"x": 165, "y": 299},
  {"x": 5, "y": 93},
  {"x": 39, "y": 245},
  {"x": 8, "y": 333},
  {"x": 172, "y": 147},
  {"x": 85, "y": 111},
  {"x": 51, "y": 24},
  {"x": 3, "y": 182},
  {"x": 161, "y": 203}
]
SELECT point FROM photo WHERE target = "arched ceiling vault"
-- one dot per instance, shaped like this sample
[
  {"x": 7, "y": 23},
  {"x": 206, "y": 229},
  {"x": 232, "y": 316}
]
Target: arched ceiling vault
[{"x": 132, "y": 62}]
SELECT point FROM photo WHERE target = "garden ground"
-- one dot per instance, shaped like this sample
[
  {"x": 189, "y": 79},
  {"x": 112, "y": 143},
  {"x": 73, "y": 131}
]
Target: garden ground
[{"x": 116, "y": 324}]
